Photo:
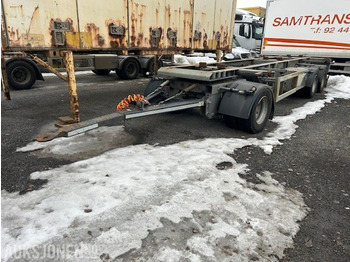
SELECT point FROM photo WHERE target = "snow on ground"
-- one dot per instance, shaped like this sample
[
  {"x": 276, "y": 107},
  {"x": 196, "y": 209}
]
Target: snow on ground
[
  {"x": 111, "y": 204},
  {"x": 188, "y": 60},
  {"x": 65, "y": 73}
]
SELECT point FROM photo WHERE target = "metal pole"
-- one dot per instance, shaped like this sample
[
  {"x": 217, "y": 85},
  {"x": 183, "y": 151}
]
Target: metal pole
[
  {"x": 155, "y": 65},
  {"x": 72, "y": 85},
  {"x": 44, "y": 64}
]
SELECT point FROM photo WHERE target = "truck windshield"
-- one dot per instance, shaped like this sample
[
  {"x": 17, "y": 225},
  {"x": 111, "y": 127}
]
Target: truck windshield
[{"x": 257, "y": 30}]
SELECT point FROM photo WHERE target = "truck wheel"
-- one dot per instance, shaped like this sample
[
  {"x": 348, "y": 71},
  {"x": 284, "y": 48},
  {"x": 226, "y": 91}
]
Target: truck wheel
[
  {"x": 21, "y": 75},
  {"x": 309, "y": 91},
  {"x": 259, "y": 114},
  {"x": 231, "y": 121},
  {"x": 150, "y": 67},
  {"x": 101, "y": 72},
  {"x": 119, "y": 73},
  {"x": 322, "y": 84},
  {"x": 130, "y": 69}
]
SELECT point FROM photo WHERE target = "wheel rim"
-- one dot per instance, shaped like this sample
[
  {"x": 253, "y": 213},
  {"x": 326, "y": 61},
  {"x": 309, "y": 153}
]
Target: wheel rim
[
  {"x": 261, "y": 110},
  {"x": 21, "y": 75},
  {"x": 131, "y": 69}
]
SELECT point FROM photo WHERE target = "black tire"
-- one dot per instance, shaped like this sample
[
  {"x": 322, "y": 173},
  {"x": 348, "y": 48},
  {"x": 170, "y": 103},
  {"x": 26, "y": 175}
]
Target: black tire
[
  {"x": 119, "y": 74},
  {"x": 150, "y": 67},
  {"x": 259, "y": 114},
  {"x": 322, "y": 84},
  {"x": 309, "y": 91},
  {"x": 231, "y": 121},
  {"x": 130, "y": 69},
  {"x": 21, "y": 75},
  {"x": 101, "y": 72}
]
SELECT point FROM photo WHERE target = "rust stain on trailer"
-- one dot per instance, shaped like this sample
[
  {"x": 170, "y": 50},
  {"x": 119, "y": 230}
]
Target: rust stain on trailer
[
  {"x": 225, "y": 44},
  {"x": 94, "y": 31},
  {"x": 133, "y": 29},
  {"x": 140, "y": 41},
  {"x": 54, "y": 32},
  {"x": 155, "y": 36},
  {"x": 205, "y": 41},
  {"x": 187, "y": 32},
  {"x": 36, "y": 40},
  {"x": 14, "y": 37},
  {"x": 200, "y": 37},
  {"x": 116, "y": 39},
  {"x": 137, "y": 38},
  {"x": 34, "y": 18},
  {"x": 167, "y": 15}
]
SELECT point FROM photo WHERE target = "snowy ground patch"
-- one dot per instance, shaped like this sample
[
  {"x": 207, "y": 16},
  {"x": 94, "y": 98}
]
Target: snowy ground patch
[
  {"x": 82, "y": 146},
  {"x": 155, "y": 203}
]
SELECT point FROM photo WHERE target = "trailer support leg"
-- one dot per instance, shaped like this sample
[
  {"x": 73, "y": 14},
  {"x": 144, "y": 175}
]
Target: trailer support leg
[
  {"x": 4, "y": 80},
  {"x": 50, "y": 68},
  {"x": 72, "y": 85}
]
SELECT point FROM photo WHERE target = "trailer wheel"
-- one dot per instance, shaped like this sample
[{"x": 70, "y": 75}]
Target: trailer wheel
[
  {"x": 322, "y": 84},
  {"x": 119, "y": 73},
  {"x": 309, "y": 91},
  {"x": 231, "y": 121},
  {"x": 150, "y": 67},
  {"x": 130, "y": 69},
  {"x": 21, "y": 75},
  {"x": 101, "y": 72},
  {"x": 259, "y": 114}
]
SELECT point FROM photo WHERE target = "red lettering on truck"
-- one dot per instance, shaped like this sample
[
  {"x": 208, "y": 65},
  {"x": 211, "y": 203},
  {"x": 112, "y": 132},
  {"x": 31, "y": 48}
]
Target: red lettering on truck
[
  {"x": 347, "y": 19},
  {"x": 293, "y": 20},
  {"x": 277, "y": 21},
  {"x": 326, "y": 19},
  {"x": 285, "y": 21},
  {"x": 307, "y": 18},
  {"x": 312, "y": 20},
  {"x": 317, "y": 20}
]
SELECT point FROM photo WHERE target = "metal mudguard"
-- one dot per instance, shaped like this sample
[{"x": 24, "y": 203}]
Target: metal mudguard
[
  {"x": 239, "y": 98},
  {"x": 311, "y": 75}
]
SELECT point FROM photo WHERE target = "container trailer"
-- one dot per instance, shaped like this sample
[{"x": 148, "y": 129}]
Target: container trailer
[{"x": 120, "y": 35}]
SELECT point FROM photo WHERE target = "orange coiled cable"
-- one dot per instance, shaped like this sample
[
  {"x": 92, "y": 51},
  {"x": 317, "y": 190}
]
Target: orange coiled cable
[{"x": 124, "y": 103}]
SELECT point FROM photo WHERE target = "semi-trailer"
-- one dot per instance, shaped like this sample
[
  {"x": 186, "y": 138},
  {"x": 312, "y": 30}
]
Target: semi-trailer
[{"x": 118, "y": 35}]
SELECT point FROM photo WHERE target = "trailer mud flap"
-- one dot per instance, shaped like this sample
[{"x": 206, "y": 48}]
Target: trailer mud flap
[{"x": 239, "y": 98}]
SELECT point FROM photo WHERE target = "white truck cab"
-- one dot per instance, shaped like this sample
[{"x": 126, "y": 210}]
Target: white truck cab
[{"x": 249, "y": 30}]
